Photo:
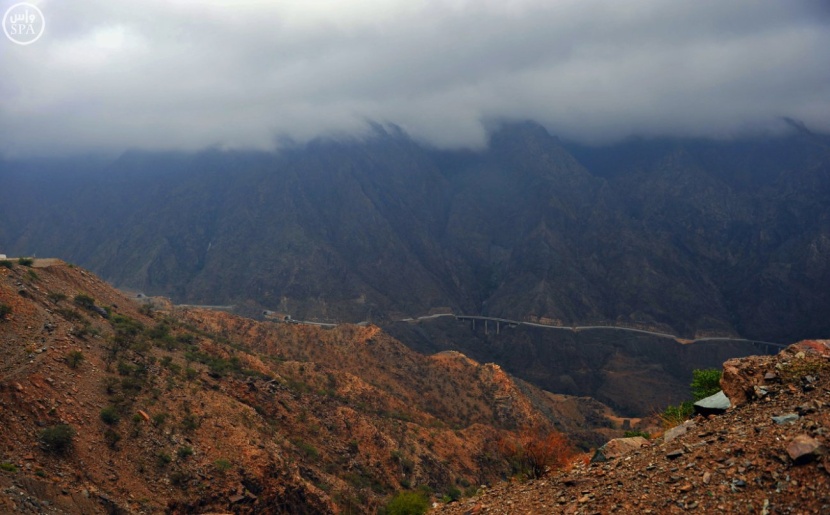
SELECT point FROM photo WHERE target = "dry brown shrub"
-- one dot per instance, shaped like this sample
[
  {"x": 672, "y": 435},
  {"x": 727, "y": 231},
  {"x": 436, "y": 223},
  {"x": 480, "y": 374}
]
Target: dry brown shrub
[{"x": 533, "y": 452}]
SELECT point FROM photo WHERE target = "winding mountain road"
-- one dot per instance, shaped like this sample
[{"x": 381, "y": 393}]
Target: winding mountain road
[{"x": 577, "y": 329}]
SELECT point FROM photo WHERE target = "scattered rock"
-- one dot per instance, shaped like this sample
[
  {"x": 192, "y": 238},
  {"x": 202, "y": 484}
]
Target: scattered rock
[
  {"x": 804, "y": 448},
  {"x": 787, "y": 418},
  {"x": 713, "y": 405},
  {"x": 676, "y": 431},
  {"x": 618, "y": 447}
]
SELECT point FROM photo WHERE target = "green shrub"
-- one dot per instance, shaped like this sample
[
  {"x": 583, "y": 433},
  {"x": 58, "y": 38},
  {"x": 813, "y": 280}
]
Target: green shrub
[
  {"x": 309, "y": 450},
  {"x": 190, "y": 423},
  {"x": 74, "y": 358},
  {"x": 163, "y": 459},
  {"x": 111, "y": 437},
  {"x": 5, "y": 466},
  {"x": 636, "y": 432},
  {"x": 676, "y": 415},
  {"x": 705, "y": 382},
  {"x": 453, "y": 494},
  {"x": 5, "y": 310},
  {"x": 159, "y": 419},
  {"x": 56, "y": 297},
  {"x": 71, "y": 315},
  {"x": 110, "y": 415},
  {"x": 407, "y": 503},
  {"x": 85, "y": 301},
  {"x": 58, "y": 438},
  {"x": 6, "y": 263},
  {"x": 179, "y": 478},
  {"x": 184, "y": 452},
  {"x": 25, "y": 261},
  {"x": 222, "y": 465}
]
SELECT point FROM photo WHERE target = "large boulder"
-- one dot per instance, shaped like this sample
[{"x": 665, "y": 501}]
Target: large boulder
[
  {"x": 743, "y": 377},
  {"x": 713, "y": 405},
  {"x": 619, "y": 447}
]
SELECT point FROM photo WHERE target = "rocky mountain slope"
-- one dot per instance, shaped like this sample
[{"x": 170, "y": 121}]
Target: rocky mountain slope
[
  {"x": 769, "y": 453},
  {"x": 635, "y": 374},
  {"x": 692, "y": 237},
  {"x": 108, "y": 406}
]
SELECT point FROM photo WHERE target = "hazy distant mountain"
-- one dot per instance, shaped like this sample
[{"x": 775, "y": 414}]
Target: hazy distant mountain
[{"x": 688, "y": 234}]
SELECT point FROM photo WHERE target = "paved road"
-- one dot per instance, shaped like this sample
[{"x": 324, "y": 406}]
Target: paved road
[{"x": 580, "y": 328}]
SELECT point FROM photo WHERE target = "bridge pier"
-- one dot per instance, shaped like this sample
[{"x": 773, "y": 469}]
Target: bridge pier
[
  {"x": 497, "y": 328},
  {"x": 486, "y": 332}
]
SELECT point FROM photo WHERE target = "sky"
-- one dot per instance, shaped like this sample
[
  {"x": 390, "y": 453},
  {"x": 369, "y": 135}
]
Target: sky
[{"x": 110, "y": 75}]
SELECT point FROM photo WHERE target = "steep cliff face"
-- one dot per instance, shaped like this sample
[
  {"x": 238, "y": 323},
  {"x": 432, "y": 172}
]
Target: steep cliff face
[
  {"x": 191, "y": 410},
  {"x": 694, "y": 236}
]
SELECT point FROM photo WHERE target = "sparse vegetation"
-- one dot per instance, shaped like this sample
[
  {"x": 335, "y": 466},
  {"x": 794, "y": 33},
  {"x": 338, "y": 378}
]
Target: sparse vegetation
[
  {"x": 58, "y": 438},
  {"x": 631, "y": 434},
  {"x": 222, "y": 465},
  {"x": 83, "y": 300},
  {"x": 6, "y": 263},
  {"x": 159, "y": 419},
  {"x": 797, "y": 368},
  {"x": 453, "y": 494},
  {"x": 71, "y": 315},
  {"x": 184, "y": 452},
  {"x": 112, "y": 437},
  {"x": 25, "y": 261},
  {"x": 56, "y": 297},
  {"x": 110, "y": 415},
  {"x": 190, "y": 423},
  {"x": 309, "y": 450},
  {"x": 705, "y": 382},
  {"x": 5, "y": 310},
  {"x": 407, "y": 503},
  {"x": 163, "y": 459},
  {"x": 5, "y": 466},
  {"x": 74, "y": 358},
  {"x": 675, "y": 415},
  {"x": 533, "y": 452},
  {"x": 179, "y": 478}
]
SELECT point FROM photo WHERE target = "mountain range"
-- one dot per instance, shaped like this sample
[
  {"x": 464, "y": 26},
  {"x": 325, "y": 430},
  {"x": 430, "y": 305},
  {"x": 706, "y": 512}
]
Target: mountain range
[{"x": 695, "y": 237}]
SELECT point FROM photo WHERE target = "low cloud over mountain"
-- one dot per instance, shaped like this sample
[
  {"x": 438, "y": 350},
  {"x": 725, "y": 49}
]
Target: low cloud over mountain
[{"x": 161, "y": 74}]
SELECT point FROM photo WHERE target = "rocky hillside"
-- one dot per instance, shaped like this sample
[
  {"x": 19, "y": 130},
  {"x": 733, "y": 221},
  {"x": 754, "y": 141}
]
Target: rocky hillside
[
  {"x": 692, "y": 237},
  {"x": 109, "y": 406},
  {"x": 768, "y": 453},
  {"x": 637, "y": 375}
]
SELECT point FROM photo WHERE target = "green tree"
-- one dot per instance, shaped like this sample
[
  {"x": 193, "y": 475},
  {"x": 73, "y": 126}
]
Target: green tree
[{"x": 705, "y": 382}]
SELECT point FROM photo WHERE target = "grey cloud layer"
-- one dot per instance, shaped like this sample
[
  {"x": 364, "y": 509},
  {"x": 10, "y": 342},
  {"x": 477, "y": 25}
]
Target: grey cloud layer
[{"x": 181, "y": 74}]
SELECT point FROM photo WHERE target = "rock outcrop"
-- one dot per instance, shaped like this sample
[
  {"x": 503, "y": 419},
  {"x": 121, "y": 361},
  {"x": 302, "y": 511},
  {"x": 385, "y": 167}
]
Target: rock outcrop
[{"x": 742, "y": 461}]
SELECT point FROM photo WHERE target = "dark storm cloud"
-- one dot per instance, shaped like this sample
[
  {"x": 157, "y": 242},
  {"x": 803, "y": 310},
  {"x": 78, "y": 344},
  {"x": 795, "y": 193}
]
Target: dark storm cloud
[{"x": 112, "y": 74}]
